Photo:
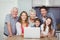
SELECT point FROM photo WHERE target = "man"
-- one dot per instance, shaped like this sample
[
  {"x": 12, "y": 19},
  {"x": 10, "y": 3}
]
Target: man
[
  {"x": 45, "y": 14},
  {"x": 32, "y": 17},
  {"x": 10, "y": 22}
]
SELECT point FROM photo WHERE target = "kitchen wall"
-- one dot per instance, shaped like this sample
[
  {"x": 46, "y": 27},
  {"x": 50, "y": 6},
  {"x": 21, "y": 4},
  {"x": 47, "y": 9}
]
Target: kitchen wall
[{"x": 26, "y": 5}]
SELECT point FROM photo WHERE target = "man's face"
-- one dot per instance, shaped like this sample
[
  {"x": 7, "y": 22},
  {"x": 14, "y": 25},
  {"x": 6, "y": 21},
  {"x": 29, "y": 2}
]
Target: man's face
[
  {"x": 32, "y": 15},
  {"x": 15, "y": 12},
  {"x": 43, "y": 12}
]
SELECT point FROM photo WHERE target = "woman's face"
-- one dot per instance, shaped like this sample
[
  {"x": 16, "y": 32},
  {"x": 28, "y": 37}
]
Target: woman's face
[
  {"x": 48, "y": 21},
  {"x": 37, "y": 23},
  {"x": 23, "y": 16},
  {"x": 32, "y": 15}
]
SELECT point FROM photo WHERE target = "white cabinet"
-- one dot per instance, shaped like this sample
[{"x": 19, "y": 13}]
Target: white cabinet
[
  {"x": 54, "y": 2},
  {"x": 38, "y": 2},
  {"x": 24, "y": 5},
  {"x": 58, "y": 35},
  {"x": 46, "y": 3}
]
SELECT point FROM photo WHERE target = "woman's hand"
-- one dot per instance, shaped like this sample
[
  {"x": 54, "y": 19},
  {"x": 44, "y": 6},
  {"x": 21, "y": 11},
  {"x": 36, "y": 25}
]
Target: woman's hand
[
  {"x": 51, "y": 34},
  {"x": 22, "y": 34}
]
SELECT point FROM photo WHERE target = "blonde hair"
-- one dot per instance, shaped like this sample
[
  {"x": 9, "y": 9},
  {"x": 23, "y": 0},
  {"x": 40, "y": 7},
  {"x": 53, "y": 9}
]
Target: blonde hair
[{"x": 32, "y": 10}]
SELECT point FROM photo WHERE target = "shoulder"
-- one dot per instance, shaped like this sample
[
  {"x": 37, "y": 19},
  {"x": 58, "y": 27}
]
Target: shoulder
[
  {"x": 18, "y": 23},
  {"x": 8, "y": 18},
  {"x": 42, "y": 25},
  {"x": 50, "y": 15},
  {"x": 8, "y": 15}
]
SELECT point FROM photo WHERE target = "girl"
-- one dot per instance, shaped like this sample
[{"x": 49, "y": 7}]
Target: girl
[
  {"x": 22, "y": 22},
  {"x": 46, "y": 28},
  {"x": 37, "y": 22}
]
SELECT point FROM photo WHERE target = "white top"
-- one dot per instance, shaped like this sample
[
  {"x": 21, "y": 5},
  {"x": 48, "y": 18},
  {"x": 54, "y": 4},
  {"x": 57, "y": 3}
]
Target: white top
[
  {"x": 46, "y": 30},
  {"x": 44, "y": 19},
  {"x": 18, "y": 28}
]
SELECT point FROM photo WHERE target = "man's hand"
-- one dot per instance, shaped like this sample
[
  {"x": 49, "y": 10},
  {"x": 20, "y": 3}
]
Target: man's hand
[
  {"x": 10, "y": 35},
  {"x": 9, "y": 29}
]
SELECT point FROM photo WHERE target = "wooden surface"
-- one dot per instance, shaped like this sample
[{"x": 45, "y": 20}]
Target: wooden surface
[{"x": 22, "y": 38}]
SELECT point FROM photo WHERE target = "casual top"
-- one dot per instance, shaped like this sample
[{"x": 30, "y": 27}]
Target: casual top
[
  {"x": 44, "y": 19},
  {"x": 49, "y": 15},
  {"x": 30, "y": 23},
  {"x": 20, "y": 28},
  {"x": 12, "y": 21},
  {"x": 46, "y": 30}
]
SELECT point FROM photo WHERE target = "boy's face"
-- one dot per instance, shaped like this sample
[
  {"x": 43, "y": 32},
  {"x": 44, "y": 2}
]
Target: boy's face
[{"x": 37, "y": 23}]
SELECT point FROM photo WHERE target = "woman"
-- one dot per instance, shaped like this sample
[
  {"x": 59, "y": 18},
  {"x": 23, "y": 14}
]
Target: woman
[
  {"x": 32, "y": 17},
  {"x": 22, "y": 22},
  {"x": 46, "y": 28}
]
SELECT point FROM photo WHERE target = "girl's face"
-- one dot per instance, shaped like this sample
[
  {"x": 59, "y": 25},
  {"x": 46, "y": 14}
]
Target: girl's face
[
  {"x": 37, "y": 23},
  {"x": 48, "y": 21},
  {"x": 23, "y": 16}
]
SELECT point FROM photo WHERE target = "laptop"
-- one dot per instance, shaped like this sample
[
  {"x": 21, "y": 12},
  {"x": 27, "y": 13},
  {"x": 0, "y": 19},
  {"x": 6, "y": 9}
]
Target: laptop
[{"x": 31, "y": 32}]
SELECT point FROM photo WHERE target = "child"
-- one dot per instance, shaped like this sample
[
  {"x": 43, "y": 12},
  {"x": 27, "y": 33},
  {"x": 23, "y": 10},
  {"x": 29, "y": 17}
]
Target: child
[
  {"x": 46, "y": 28},
  {"x": 37, "y": 22}
]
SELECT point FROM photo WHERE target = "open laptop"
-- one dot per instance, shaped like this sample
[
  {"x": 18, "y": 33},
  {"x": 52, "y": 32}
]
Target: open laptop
[{"x": 31, "y": 32}]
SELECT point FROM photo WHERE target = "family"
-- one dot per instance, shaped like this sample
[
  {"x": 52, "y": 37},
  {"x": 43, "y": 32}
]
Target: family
[{"x": 14, "y": 25}]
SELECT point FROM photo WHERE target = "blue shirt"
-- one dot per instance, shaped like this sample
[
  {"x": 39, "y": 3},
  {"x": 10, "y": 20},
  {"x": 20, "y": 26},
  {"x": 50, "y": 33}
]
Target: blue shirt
[
  {"x": 52, "y": 16},
  {"x": 13, "y": 21}
]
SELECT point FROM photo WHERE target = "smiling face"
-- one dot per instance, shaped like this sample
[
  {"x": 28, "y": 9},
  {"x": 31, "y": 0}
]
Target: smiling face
[
  {"x": 43, "y": 12},
  {"x": 14, "y": 12},
  {"x": 48, "y": 21},
  {"x": 32, "y": 15},
  {"x": 23, "y": 16},
  {"x": 37, "y": 23}
]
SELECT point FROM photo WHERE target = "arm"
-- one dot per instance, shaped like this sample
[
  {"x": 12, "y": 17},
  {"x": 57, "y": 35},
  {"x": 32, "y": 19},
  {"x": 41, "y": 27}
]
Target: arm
[
  {"x": 51, "y": 34},
  {"x": 7, "y": 20},
  {"x": 18, "y": 28},
  {"x": 9, "y": 29},
  {"x": 41, "y": 28}
]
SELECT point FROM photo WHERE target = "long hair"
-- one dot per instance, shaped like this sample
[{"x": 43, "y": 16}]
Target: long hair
[
  {"x": 20, "y": 19},
  {"x": 50, "y": 29}
]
